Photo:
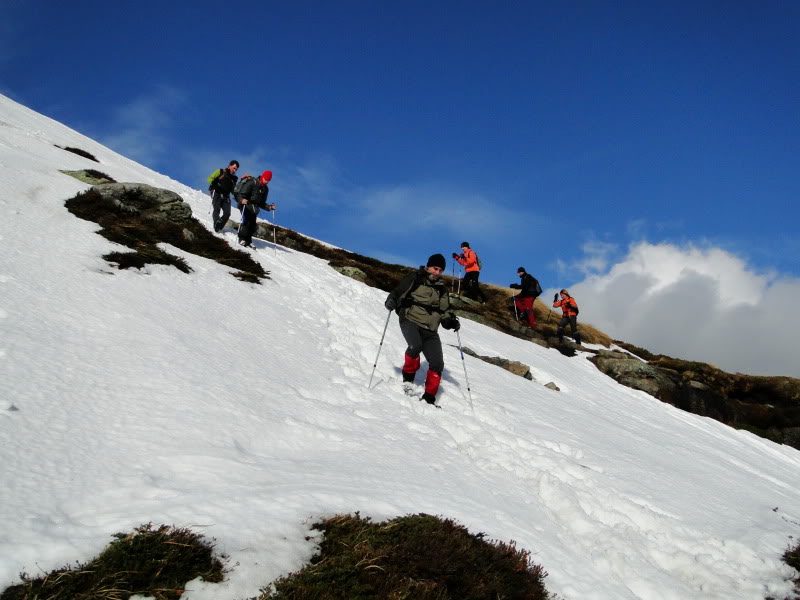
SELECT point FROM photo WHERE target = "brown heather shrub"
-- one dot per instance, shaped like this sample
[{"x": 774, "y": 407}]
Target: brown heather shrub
[
  {"x": 418, "y": 557},
  {"x": 79, "y": 152},
  {"x": 154, "y": 561}
]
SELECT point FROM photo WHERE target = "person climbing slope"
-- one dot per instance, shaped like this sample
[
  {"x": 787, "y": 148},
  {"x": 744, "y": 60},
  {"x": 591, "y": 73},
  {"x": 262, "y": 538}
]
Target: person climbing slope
[
  {"x": 220, "y": 185},
  {"x": 529, "y": 290},
  {"x": 421, "y": 301},
  {"x": 252, "y": 197},
  {"x": 569, "y": 309},
  {"x": 469, "y": 260}
]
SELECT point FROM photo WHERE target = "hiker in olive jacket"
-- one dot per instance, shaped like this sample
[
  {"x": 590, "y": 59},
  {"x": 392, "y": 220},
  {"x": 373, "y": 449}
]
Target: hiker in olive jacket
[
  {"x": 252, "y": 197},
  {"x": 221, "y": 184},
  {"x": 421, "y": 301}
]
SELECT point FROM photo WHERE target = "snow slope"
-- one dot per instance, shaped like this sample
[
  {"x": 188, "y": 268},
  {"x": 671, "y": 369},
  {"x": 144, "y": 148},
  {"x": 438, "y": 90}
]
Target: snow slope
[{"x": 242, "y": 411}]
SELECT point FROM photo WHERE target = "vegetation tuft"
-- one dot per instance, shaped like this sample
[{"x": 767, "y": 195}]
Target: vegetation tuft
[
  {"x": 141, "y": 232},
  {"x": 79, "y": 152},
  {"x": 792, "y": 558},
  {"x": 90, "y": 176},
  {"x": 154, "y": 561},
  {"x": 419, "y": 557}
]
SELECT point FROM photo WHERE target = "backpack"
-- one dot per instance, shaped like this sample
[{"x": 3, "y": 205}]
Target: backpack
[
  {"x": 237, "y": 189},
  {"x": 478, "y": 261},
  {"x": 213, "y": 178},
  {"x": 537, "y": 289}
]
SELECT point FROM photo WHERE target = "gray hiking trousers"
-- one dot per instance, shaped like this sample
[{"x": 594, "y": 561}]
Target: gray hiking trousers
[
  {"x": 220, "y": 203},
  {"x": 423, "y": 340}
]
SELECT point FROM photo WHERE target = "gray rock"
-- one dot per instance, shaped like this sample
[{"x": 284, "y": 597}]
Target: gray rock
[
  {"x": 457, "y": 301},
  {"x": 512, "y": 366},
  {"x": 612, "y": 354},
  {"x": 637, "y": 375},
  {"x": 552, "y": 386},
  {"x": 188, "y": 235},
  {"x": 352, "y": 272},
  {"x": 145, "y": 200}
]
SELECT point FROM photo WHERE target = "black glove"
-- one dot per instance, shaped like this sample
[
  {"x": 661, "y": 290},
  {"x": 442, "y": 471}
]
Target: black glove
[
  {"x": 455, "y": 255},
  {"x": 555, "y": 297},
  {"x": 390, "y": 303},
  {"x": 515, "y": 286},
  {"x": 451, "y": 322}
]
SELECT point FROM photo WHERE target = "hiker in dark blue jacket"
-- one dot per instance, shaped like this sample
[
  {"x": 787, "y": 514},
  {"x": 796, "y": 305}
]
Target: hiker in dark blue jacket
[{"x": 529, "y": 290}]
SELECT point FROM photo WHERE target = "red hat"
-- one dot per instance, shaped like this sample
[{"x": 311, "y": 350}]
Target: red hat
[{"x": 266, "y": 176}]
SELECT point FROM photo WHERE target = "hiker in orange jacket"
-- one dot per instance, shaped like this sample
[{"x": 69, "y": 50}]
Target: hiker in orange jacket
[
  {"x": 569, "y": 309},
  {"x": 469, "y": 260}
]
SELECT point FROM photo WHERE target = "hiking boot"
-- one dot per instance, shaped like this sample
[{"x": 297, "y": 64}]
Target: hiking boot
[
  {"x": 408, "y": 377},
  {"x": 429, "y": 398}
]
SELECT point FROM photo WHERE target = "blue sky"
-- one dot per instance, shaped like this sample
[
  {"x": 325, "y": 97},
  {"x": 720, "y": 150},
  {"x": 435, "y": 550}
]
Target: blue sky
[{"x": 550, "y": 135}]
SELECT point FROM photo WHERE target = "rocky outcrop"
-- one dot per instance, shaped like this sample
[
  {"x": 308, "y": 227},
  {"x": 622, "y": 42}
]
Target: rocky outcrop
[
  {"x": 767, "y": 406},
  {"x": 141, "y": 217},
  {"x": 144, "y": 200}
]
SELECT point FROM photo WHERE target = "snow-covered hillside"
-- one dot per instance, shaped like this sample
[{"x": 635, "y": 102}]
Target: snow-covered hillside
[{"x": 243, "y": 411}]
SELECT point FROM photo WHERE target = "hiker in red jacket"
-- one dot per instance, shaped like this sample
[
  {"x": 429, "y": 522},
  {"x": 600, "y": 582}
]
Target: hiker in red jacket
[
  {"x": 252, "y": 198},
  {"x": 469, "y": 260},
  {"x": 569, "y": 308}
]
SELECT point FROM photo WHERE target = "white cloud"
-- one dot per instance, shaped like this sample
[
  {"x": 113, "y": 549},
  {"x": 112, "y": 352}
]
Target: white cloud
[
  {"x": 141, "y": 127},
  {"x": 697, "y": 303},
  {"x": 439, "y": 207}
]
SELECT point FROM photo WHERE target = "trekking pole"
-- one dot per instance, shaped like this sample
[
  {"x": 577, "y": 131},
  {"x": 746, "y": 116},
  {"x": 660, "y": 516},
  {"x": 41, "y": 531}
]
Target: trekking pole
[
  {"x": 274, "y": 225},
  {"x": 516, "y": 314},
  {"x": 459, "y": 287},
  {"x": 464, "y": 364},
  {"x": 380, "y": 347},
  {"x": 453, "y": 282}
]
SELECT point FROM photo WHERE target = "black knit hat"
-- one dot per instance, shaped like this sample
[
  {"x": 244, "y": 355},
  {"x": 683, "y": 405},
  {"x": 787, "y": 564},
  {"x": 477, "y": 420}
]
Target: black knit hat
[
  {"x": 521, "y": 270},
  {"x": 465, "y": 244},
  {"x": 436, "y": 260}
]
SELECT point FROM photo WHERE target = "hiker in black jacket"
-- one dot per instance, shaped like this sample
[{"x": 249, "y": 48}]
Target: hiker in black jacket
[
  {"x": 252, "y": 197},
  {"x": 422, "y": 302},
  {"x": 222, "y": 182},
  {"x": 529, "y": 290}
]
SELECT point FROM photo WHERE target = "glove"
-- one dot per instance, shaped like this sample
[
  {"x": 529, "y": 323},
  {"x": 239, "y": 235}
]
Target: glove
[
  {"x": 455, "y": 255},
  {"x": 390, "y": 303},
  {"x": 451, "y": 322},
  {"x": 515, "y": 286},
  {"x": 555, "y": 297}
]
